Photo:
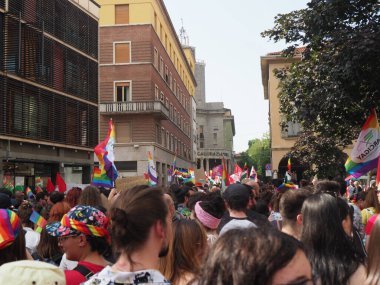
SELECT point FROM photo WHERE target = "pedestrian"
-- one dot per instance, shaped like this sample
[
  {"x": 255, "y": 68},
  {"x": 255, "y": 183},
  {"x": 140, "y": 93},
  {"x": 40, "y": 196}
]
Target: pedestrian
[{"x": 141, "y": 232}]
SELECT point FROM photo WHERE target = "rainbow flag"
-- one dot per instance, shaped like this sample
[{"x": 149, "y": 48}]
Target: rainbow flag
[
  {"x": 225, "y": 177},
  {"x": 191, "y": 176},
  {"x": 152, "y": 173},
  {"x": 365, "y": 154},
  {"x": 289, "y": 165},
  {"x": 29, "y": 193},
  {"x": 9, "y": 227},
  {"x": 37, "y": 219},
  {"x": 106, "y": 174}
]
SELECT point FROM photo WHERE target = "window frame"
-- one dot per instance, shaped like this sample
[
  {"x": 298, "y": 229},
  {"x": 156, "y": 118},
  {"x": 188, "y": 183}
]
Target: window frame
[{"x": 114, "y": 52}]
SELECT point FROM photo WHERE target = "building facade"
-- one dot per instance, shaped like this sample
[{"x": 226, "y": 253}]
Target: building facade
[
  {"x": 215, "y": 127},
  {"x": 48, "y": 90},
  {"x": 146, "y": 87}
]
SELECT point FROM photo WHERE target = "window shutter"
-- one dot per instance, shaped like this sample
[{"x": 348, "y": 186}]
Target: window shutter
[
  {"x": 121, "y": 14},
  {"x": 122, "y": 53}
]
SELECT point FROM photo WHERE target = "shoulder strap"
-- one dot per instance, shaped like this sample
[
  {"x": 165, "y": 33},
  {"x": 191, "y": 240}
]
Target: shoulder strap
[{"x": 87, "y": 273}]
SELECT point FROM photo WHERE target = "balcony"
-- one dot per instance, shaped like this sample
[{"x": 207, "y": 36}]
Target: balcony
[{"x": 156, "y": 108}]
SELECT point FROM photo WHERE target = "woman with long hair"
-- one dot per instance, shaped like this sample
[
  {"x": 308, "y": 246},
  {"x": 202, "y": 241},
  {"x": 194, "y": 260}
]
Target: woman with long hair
[
  {"x": 72, "y": 197},
  {"x": 330, "y": 250},
  {"x": 186, "y": 252},
  {"x": 48, "y": 249},
  {"x": 373, "y": 266},
  {"x": 57, "y": 211}
]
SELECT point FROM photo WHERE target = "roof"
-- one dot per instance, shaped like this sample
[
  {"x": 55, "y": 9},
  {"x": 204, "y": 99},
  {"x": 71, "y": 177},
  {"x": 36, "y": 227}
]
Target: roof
[{"x": 297, "y": 51}]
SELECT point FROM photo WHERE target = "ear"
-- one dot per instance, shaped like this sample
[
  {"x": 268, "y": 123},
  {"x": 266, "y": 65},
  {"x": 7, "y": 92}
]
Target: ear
[
  {"x": 82, "y": 241},
  {"x": 299, "y": 219},
  {"x": 159, "y": 229}
]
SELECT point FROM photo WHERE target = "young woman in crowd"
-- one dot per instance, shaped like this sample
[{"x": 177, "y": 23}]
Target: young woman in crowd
[
  {"x": 72, "y": 197},
  {"x": 371, "y": 206},
  {"x": 48, "y": 249},
  {"x": 256, "y": 256},
  {"x": 373, "y": 266},
  {"x": 330, "y": 250},
  {"x": 209, "y": 212},
  {"x": 186, "y": 252}
]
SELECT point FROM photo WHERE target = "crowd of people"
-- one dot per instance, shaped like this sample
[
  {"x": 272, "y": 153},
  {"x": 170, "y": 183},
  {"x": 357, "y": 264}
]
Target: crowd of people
[{"x": 324, "y": 232}]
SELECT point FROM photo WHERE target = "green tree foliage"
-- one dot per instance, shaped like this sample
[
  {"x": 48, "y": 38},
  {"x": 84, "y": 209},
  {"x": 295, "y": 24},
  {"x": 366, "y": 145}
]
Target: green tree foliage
[
  {"x": 258, "y": 154},
  {"x": 333, "y": 86}
]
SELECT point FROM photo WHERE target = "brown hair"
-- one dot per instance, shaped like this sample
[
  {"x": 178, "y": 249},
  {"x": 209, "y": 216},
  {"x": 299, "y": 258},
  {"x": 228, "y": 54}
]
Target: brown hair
[
  {"x": 15, "y": 251},
  {"x": 48, "y": 246},
  {"x": 371, "y": 200},
  {"x": 373, "y": 268},
  {"x": 186, "y": 250},
  {"x": 291, "y": 203},
  {"x": 133, "y": 214},
  {"x": 90, "y": 197},
  {"x": 57, "y": 211},
  {"x": 72, "y": 197}
]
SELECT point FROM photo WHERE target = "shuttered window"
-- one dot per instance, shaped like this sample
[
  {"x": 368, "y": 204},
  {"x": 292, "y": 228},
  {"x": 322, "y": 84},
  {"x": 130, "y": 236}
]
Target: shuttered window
[
  {"x": 122, "y": 53},
  {"x": 121, "y": 14},
  {"x": 123, "y": 132}
]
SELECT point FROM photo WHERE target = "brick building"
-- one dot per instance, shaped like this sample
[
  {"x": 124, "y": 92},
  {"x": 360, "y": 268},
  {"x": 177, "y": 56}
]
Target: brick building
[
  {"x": 146, "y": 87},
  {"x": 48, "y": 90}
]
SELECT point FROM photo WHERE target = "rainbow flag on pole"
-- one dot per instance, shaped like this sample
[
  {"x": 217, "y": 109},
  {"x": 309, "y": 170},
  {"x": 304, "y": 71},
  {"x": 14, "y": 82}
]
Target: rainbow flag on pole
[
  {"x": 37, "y": 219},
  {"x": 29, "y": 192},
  {"x": 152, "y": 173},
  {"x": 225, "y": 176},
  {"x": 365, "y": 154},
  {"x": 106, "y": 174}
]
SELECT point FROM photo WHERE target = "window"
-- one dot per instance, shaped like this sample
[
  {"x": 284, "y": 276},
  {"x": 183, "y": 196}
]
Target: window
[
  {"x": 155, "y": 58},
  {"x": 121, "y": 14},
  {"x": 161, "y": 67},
  {"x": 122, "y": 52},
  {"x": 126, "y": 166},
  {"x": 122, "y": 92},
  {"x": 215, "y": 138},
  {"x": 166, "y": 102},
  {"x": 170, "y": 81},
  {"x": 163, "y": 137},
  {"x": 156, "y": 93},
  {"x": 166, "y": 74},
  {"x": 167, "y": 141},
  {"x": 162, "y": 97},
  {"x": 175, "y": 87},
  {"x": 158, "y": 134},
  {"x": 123, "y": 132}
]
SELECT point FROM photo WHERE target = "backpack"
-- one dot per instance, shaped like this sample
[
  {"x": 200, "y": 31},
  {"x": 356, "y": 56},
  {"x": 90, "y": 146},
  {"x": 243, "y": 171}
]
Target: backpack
[{"x": 87, "y": 273}]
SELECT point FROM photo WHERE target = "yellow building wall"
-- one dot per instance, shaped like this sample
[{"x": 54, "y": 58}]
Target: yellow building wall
[{"x": 143, "y": 12}]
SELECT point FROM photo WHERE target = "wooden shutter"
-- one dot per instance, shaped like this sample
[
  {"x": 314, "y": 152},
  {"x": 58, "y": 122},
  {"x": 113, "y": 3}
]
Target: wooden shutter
[
  {"x": 121, "y": 14},
  {"x": 123, "y": 132},
  {"x": 122, "y": 53}
]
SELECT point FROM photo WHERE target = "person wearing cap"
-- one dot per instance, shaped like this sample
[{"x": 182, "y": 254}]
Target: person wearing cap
[
  {"x": 12, "y": 240},
  {"x": 237, "y": 199},
  {"x": 84, "y": 237},
  {"x": 30, "y": 272},
  {"x": 141, "y": 232}
]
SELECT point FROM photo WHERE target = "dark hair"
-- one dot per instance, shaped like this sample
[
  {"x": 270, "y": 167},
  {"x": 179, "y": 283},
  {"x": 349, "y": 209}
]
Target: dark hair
[
  {"x": 331, "y": 252},
  {"x": 56, "y": 197},
  {"x": 48, "y": 247},
  {"x": 98, "y": 244},
  {"x": 344, "y": 209},
  {"x": 193, "y": 199},
  {"x": 181, "y": 193},
  {"x": 291, "y": 203},
  {"x": 371, "y": 200},
  {"x": 329, "y": 187},
  {"x": 15, "y": 251},
  {"x": 275, "y": 201},
  {"x": 132, "y": 216},
  {"x": 248, "y": 256},
  {"x": 40, "y": 196},
  {"x": 262, "y": 208},
  {"x": 213, "y": 204}
]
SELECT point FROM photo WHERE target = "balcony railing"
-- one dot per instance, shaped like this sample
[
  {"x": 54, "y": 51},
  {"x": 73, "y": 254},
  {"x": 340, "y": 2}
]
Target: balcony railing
[{"x": 140, "y": 107}]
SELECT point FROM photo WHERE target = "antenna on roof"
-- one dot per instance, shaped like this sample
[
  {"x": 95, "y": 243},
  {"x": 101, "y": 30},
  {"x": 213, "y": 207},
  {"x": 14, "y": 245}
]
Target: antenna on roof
[{"x": 184, "y": 38}]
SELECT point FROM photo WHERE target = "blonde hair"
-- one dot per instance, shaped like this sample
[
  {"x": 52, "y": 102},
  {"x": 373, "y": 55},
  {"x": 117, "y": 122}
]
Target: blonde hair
[{"x": 373, "y": 268}]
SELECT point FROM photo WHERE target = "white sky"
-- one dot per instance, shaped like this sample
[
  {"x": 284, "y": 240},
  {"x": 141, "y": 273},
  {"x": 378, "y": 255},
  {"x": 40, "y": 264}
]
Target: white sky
[{"x": 226, "y": 35}]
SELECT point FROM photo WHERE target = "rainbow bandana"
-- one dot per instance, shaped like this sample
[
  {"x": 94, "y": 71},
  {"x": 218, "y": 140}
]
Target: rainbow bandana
[
  {"x": 9, "y": 227},
  {"x": 81, "y": 220}
]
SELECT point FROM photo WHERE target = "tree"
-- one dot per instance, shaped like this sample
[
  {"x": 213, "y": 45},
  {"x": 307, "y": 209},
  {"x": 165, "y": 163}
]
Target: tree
[
  {"x": 332, "y": 88},
  {"x": 258, "y": 154}
]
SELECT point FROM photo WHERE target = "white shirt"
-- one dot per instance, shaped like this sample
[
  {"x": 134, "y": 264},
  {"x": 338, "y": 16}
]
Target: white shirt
[{"x": 32, "y": 239}]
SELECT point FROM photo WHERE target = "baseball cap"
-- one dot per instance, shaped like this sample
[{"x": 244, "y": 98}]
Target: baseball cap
[
  {"x": 237, "y": 190},
  {"x": 81, "y": 219},
  {"x": 25, "y": 272}
]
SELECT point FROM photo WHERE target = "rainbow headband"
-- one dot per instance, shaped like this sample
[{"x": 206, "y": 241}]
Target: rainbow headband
[
  {"x": 9, "y": 227},
  {"x": 84, "y": 228},
  {"x": 205, "y": 218}
]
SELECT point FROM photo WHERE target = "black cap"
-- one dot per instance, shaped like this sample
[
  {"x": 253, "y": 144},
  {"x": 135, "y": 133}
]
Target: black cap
[
  {"x": 5, "y": 201},
  {"x": 237, "y": 190}
]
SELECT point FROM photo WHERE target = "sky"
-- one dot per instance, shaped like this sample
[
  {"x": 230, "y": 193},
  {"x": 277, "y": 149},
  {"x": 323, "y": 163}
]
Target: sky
[{"x": 226, "y": 35}]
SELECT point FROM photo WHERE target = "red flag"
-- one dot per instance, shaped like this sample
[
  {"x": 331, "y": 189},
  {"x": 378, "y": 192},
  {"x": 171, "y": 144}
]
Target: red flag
[
  {"x": 50, "y": 187},
  {"x": 378, "y": 173},
  {"x": 238, "y": 171},
  {"x": 60, "y": 183}
]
